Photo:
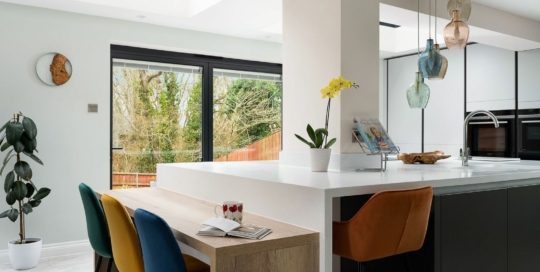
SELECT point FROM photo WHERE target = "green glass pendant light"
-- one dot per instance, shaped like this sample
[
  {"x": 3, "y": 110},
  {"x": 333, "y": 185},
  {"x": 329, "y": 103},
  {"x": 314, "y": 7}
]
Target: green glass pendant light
[{"x": 418, "y": 93}]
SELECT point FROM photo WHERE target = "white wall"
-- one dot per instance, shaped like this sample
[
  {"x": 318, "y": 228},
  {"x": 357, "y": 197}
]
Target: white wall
[{"x": 74, "y": 144}]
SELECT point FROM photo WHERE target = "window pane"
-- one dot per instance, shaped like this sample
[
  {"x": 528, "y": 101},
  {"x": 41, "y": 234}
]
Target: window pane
[
  {"x": 156, "y": 119},
  {"x": 247, "y": 116}
]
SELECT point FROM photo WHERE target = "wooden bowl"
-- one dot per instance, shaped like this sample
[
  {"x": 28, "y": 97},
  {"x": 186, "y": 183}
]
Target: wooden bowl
[{"x": 423, "y": 158}]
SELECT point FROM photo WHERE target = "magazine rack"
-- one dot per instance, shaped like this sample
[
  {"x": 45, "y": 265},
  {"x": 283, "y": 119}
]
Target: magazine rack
[{"x": 383, "y": 153}]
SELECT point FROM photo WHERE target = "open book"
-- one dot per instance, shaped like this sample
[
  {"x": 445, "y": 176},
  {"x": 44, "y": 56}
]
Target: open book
[
  {"x": 374, "y": 135},
  {"x": 224, "y": 227}
]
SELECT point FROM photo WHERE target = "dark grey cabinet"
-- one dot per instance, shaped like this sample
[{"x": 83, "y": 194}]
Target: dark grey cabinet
[
  {"x": 524, "y": 229},
  {"x": 473, "y": 231}
]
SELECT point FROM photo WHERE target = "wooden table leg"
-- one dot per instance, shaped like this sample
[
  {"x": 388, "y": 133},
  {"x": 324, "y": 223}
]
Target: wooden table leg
[{"x": 104, "y": 263}]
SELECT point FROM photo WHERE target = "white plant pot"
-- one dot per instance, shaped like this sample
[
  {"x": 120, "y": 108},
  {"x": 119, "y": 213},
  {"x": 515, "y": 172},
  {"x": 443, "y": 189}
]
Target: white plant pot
[
  {"x": 24, "y": 256},
  {"x": 319, "y": 159}
]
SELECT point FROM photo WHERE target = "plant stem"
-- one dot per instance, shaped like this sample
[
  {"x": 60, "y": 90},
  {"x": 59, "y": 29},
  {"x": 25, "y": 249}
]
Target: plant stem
[
  {"x": 326, "y": 123},
  {"x": 21, "y": 213}
]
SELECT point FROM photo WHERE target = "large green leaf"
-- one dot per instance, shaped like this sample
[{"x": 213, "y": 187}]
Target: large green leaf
[
  {"x": 330, "y": 143},
  {"x": 29, "y": 144},
  {"x": 42, "y": 193},
  {"x": 19, "y": 190},
  {"x": 34, "y": 203},
  {"x": 27, "y": 208},
  {"x": 23, "y": 169},
  {"x": 13, "y": 214},
  {"x": 2, "y": 139},
  {"x": 10, "y": 179},
  {"x": 3, "y": 167},
  {"x": 4, "y": 126},
  {"x": 4, "y": 214},
  {"x": 5, "y": 146},
  {"x": 29, "y": 190},
  {"x": 30, "y": 128},
  {"x": 311, "y": 134},
  {"x": 10, "y": 199},
  {"x": 304, "y": 141},
  {"x": 14, "y": 131},
  {"x": 33, "y": 157},
  {"x": 18, "y": 147}
]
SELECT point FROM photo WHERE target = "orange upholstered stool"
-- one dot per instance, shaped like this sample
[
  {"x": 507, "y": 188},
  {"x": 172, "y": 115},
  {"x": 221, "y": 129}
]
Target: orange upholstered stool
[{"x": 390, "y": 223}]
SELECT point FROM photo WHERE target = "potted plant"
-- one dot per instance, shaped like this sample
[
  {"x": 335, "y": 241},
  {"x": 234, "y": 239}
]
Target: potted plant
[
  {"x": 320, "y": 147},
  {"x": 319, "y": 153},
  {"x": 20, "y": 136}
]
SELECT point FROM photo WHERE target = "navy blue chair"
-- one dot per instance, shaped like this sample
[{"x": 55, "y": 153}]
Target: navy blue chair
[{"x": 160, "y": 249}]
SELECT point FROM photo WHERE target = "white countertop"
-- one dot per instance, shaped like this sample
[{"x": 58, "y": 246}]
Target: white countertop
[{"x": 444, "y": 173}]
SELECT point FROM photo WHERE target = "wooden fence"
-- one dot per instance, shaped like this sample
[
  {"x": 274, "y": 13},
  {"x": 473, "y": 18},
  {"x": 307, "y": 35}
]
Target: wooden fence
[
  {"x": 132, "y": 180},
  {"x": 265, "y": 149}
]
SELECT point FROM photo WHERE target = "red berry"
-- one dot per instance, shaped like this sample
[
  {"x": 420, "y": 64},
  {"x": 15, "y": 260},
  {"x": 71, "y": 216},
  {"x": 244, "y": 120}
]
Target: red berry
[
  {"x": 224, "y": 208},
  {"x": 233, "y": 208},
  {"x": 240, "y": 208}
]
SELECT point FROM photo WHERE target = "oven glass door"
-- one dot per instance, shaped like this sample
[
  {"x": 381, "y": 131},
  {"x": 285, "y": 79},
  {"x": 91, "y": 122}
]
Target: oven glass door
[
  {"x": 530, "y": 136},
  {"x": 485, "y": 140}
]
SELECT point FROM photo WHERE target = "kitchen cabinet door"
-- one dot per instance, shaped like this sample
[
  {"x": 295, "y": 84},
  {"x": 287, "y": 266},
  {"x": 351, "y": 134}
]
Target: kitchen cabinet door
[
  {"x": 443, "y": 120},
  {"x": 404, "y": 123},
  {"x": 473, "y": 232},
  {"x": 523, "y": 229},
  {"x": 491, "y": 78},
  {"x": 528, "y": 79}
]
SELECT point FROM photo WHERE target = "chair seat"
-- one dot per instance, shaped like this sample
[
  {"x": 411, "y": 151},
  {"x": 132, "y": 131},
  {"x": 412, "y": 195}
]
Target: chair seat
[{"x": 195, "y": 265}]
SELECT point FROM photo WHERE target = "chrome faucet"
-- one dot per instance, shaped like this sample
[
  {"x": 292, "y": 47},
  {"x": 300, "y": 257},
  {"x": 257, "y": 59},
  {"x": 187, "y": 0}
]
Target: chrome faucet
[{"x": 465, "y": 152}]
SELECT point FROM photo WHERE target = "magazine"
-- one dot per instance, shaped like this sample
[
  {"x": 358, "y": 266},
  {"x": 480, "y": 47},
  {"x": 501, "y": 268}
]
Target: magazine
[
  {"x": 374, "y": 135},
  {"x": 224, "y": 227}
]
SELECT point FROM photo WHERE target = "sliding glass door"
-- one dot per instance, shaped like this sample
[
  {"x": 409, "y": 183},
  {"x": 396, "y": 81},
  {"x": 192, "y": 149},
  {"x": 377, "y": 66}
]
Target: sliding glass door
[
  {"x": 170, "y": 107},
  {"x": 156, "y": 116}
]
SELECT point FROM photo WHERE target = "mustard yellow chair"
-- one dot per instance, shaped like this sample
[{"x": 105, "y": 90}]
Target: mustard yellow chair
[
  {"x": 125, "y": 242},
  {"x": 390, "y": 223}
]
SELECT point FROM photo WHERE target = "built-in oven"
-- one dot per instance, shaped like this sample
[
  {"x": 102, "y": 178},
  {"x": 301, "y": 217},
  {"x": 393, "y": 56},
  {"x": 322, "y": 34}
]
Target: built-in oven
[
  {"x": 529, "y": 134},
  {"x": 485, "y": 140}
]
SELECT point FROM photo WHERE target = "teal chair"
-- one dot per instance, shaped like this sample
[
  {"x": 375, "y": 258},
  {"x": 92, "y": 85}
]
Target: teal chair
[{"x": 98, "y": 234}]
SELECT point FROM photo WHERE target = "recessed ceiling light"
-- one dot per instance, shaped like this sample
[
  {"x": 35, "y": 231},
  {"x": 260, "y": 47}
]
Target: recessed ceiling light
[{"x": 141, "y": 16}]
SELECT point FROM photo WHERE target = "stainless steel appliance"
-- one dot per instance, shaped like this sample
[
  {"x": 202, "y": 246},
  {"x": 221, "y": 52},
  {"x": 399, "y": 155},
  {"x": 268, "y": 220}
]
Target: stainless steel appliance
[
  {"x": 486, "y": 140},
  {"x": 529, "y": 134}
]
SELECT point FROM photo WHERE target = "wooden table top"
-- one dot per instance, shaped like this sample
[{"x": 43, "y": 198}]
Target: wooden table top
[{"x": 184, "y": 215}]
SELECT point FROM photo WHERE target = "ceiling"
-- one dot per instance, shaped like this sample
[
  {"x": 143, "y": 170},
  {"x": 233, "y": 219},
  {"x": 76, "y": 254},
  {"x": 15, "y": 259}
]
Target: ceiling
[
  {"x": 524, "y": 8},
  {"x": 262, "y": 19}
]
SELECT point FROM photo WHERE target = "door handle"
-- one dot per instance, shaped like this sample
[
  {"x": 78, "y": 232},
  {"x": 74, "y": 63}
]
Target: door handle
[
  {"x": 487, "y": 123},
  {"x": 530, "y": 122}
]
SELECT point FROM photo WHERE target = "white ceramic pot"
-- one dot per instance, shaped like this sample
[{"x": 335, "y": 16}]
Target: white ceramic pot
[
  {"x": 319, "y": 159},
  {"x": 24, "y": 256}
]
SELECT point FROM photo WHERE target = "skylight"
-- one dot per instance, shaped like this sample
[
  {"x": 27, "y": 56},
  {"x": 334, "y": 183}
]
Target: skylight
[{"x": 179, "y": 8}]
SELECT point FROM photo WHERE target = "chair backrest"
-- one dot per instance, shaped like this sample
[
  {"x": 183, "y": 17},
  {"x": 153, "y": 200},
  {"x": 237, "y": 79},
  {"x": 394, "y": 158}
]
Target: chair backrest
[
  {"x": 390, "y": 223},
  {"x": 160, "y": 250},
  {"x": 125, "y": 243},
  {"x": 96, "y": 225}
]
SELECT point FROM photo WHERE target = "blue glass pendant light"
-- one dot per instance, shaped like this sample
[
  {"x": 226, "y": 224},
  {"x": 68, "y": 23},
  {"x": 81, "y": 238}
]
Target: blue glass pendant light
[
  {"x": 418, "y": 93},
  {"x": 430, "y": 61}
]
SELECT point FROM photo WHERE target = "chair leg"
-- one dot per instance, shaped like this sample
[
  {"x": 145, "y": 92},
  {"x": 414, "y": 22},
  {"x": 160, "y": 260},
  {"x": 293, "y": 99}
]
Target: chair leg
[
  {"x": 98, "y": 265},
  {"x": 109, "y": 264},
  {"x": 408, "y": 265},
  {"x": 361, "y": 267}
]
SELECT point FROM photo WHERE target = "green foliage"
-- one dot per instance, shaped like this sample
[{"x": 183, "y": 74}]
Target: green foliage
[
  {"x": 317, "y": 138},
  {"x": 21, "y": 136}
]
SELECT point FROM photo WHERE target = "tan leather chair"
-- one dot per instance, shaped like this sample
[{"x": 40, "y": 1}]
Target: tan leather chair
[{"x": 390, "y": 223}]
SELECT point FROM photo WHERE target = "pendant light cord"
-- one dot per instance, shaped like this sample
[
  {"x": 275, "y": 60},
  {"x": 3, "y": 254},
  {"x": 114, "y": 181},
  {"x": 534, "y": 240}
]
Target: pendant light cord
[
  {"x": 436, "y": 22},
  {"x": 429, "y": 19},
  {"x": 418, "y": 37}
]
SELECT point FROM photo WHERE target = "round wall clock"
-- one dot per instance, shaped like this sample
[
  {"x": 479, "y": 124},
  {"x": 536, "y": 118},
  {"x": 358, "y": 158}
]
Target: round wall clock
[{"x": 54, "y": 69}]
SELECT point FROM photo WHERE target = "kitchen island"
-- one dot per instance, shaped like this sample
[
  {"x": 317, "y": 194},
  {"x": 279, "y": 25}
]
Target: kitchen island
[{"x": 295, "y": 195}]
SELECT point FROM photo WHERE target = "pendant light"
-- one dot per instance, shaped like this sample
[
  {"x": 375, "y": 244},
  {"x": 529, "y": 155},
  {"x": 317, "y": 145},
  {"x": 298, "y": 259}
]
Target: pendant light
[
  {"x": 418, "y": 93},
  {"x": 430, "y": 61},
  {"x": 444, "y": 67},
  {"x": 456, "y": 33},
  {"x": 463, "y": 6}
]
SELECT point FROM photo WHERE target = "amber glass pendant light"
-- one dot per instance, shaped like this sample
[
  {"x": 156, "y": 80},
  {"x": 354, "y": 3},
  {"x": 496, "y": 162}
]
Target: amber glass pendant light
[
  {"x": 463, "y": 6},
  {"x": 430, "y": 61},
  {"x": 456, "y": 33},
  {"x": 418, "y": 93},
  {"x": 444, "y": 67}
]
